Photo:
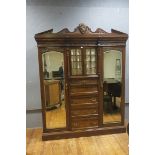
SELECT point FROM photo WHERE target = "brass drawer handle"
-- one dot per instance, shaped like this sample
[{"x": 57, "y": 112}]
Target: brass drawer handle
[
  {"x": 93, "y": 100},
  {"x": 95, "y": 111},
  {"x": 66, "y": 86}
]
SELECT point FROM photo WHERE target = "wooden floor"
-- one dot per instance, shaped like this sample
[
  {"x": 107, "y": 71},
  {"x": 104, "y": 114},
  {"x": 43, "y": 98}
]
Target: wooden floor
[{"x": 114, "y": 144}]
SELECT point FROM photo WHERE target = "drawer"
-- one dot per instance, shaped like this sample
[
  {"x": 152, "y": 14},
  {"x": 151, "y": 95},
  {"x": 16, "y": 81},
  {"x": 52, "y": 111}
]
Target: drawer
[
  {"x": 84, "y": 106},
  {"x": 78, "y": 112},
  {"x": 82, "y": 100},
  {"x": 84, "y": 123},
  {"x": 83, "y": 89},
  {"x": 83, "y": 82}
]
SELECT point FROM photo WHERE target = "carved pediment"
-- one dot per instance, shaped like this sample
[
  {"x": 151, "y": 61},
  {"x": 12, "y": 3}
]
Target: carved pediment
[
  {"x": 65, "y": 30},
  {"x": 99, "y": 30},
  {"x": 82, "y": 29}
]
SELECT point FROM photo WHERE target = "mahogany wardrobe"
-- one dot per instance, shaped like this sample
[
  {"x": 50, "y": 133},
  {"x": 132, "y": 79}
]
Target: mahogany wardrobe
[{"x": 82, "y": 82}]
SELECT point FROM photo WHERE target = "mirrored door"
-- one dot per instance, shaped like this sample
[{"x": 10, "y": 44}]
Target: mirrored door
[
  {"x": 112, "y": 86},
  {"x": 54, "y": 89}
]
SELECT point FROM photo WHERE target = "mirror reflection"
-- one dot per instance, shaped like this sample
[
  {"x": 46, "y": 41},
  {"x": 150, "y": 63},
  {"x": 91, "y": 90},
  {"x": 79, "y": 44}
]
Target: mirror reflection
[
  {"x": 112, "y": 86},
  {"x": 53, "y": 70}
]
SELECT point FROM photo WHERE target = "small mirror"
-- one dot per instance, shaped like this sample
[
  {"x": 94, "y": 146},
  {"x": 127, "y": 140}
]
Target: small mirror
[
  {"x": 53, "y": 70},
  {"x": 112, "y": 86}
]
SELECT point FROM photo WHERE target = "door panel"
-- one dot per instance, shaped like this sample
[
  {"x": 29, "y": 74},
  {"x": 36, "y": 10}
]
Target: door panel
[
  {"x": 111, "y": 74},
  {"x": 54, "y": 89}
]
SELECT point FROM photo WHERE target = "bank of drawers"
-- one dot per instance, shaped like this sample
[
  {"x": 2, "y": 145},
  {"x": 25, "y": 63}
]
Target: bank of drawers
[
  {"x": 84, "y": 112},
  {"x": 84, "y": 103}
]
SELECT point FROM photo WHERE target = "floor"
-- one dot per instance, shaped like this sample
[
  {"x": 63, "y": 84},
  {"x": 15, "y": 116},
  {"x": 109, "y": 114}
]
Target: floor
[{"x": 114, "y": 144}]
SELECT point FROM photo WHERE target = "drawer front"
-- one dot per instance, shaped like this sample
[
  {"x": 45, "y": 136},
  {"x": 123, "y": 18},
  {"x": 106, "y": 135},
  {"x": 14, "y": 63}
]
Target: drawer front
[
  {"x": 84, "y": 106},
  {"x": 84, "y": 109},
  {"x": 83, "y": 89},
  {"x": 82, "y": 100},
  {"x": 79, "y": 112},
  {"x": 84, "y": 123},
  {"x": 83, "y": 82}
]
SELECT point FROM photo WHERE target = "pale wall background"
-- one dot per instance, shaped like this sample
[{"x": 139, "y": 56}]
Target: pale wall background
[{"x": 47, "y": 14}]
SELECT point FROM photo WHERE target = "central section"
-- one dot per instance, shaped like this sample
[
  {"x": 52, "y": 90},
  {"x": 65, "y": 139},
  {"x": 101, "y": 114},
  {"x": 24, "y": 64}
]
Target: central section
[{"x": 83, "y": 88}]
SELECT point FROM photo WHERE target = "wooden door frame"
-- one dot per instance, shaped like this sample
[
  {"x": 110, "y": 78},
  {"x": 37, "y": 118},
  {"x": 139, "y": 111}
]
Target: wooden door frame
[{"x": 100, "y": 87}]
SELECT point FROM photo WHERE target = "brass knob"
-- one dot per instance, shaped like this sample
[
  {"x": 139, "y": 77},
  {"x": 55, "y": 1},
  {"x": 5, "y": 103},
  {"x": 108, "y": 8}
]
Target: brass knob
[
  {"x": 66, "y": 86},
  {"x": 93, "y": 99}
]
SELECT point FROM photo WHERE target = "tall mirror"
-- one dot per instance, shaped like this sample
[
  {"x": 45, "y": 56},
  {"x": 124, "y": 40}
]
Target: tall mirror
[
  {"x": 53, "y": 70},
  {"x": 112, "y": 86}
]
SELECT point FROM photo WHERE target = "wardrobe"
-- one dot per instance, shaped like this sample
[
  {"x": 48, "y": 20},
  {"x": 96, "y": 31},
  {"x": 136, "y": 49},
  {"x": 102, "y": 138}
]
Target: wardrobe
[{"x": 89, "y": 69}]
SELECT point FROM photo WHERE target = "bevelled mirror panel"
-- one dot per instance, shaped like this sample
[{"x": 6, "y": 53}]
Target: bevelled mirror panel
[
  {"x": 112, "y": 86},
  {"x": 54, "y": 89}
]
